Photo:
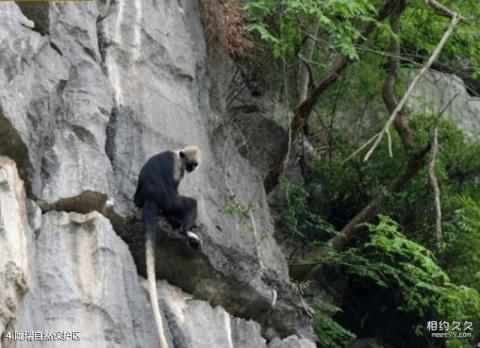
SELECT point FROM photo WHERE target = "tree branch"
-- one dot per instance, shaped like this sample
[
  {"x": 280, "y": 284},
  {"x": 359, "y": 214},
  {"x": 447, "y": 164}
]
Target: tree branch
[
  {"x": 400, "y": 123},
  {"x": 416, "y": 162},
  {"x": 350, "y": 231},
  {"x": 304, "y": 108},
  {"x": 412, "y": 168},
  {"x": 434, "y": 184},
  {"x": 442, "y": 10},
  {"x": 433, "y": 57},
  {"x": 305, "y": 71}
]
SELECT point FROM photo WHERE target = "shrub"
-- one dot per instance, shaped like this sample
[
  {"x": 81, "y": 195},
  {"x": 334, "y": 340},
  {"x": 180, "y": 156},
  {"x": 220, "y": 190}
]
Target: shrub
[{"x": 224, "y": 25}]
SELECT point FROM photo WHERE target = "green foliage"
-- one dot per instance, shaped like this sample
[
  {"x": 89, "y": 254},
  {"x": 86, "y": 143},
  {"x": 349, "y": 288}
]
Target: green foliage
[
  {"x": 244, "y": 213},
  {"x": 393, "y": 261},
  {"x": 283, "y": 24},
  {"x": 234, "y": 207},
  {"x": 427, "y": 282},
  {"x": 330, "y": 333},
  {"x": 429, "y": 279},
  {"x": 350, "y": 185},
  {"x": 462, "y": 240},
  {"x": 299, "y": 219},
  {"x": 465, "y": 42}
]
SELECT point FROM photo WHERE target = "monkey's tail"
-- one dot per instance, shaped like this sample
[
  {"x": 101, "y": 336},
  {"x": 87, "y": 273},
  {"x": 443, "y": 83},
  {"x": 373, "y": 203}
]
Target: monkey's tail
[{"x": 150, "y": 222}]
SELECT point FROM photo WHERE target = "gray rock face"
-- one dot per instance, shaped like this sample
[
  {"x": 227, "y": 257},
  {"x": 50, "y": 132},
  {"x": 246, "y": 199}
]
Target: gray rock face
[
  {"x": 291, "y": 342},
  {"x": 196, "y": 324},
  {"x": 13, "y": 241},
  {"x": 89, "y": 91},
  {"x": 55, "y": 102},
  {"x": 155, "y": 60},
  {"x": 83, "y": 281},
  {"x": 437, "y": 91}
]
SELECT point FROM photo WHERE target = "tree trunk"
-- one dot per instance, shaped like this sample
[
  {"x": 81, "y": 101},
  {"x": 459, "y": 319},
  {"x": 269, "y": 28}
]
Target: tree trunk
[
  {"x": 388, "y": 92},
  {"x": 304, "y": 109},
  {"x": 350, "y": 231}
]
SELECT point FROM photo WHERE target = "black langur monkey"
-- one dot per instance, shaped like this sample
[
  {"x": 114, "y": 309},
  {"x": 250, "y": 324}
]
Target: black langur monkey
[{"x": 158, "y": 189}]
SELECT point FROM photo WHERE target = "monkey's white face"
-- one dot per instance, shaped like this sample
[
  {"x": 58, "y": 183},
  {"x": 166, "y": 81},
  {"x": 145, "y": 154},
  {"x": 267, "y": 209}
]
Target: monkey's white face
[{"x": 190, "y": 157}]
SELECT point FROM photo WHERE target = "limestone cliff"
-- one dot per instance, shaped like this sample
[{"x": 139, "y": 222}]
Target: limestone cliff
[{"x": 90, "y": 90}]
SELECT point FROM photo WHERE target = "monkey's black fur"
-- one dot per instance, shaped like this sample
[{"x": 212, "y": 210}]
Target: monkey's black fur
[{"x": 158, "y": 189}]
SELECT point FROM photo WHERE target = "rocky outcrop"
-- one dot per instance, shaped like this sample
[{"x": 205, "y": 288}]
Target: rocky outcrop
[
  {"x": 439, "y": 92},
  {"x": 13, "y": 241},
  {"x": 82, "y": 282},
  {"x": 435, "y": 92},
  {"x": 88, "y": 92},
  {"x": 195, "y": 323},
  {"x": 55, "y": 103}
]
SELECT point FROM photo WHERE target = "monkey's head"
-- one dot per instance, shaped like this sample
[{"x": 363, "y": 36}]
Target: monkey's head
[{"x": 191, "y": 157}]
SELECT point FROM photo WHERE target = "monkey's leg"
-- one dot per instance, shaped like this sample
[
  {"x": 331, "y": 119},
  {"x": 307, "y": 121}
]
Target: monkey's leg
[
  {"x": 190, "y": 212},
  {"x": 189, "y": 215}
]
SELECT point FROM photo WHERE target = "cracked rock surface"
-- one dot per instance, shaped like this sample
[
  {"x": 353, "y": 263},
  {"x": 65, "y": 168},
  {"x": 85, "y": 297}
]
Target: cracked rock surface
[{"x": 89, "y": 91}]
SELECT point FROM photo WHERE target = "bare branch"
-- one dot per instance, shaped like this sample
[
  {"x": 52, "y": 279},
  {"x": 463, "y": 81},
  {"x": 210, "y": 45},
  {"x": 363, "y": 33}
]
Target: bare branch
[
  {"x": 434, "y": 184},
  {"x": 368, "y": 142},
  {"x": 389, "y": 137},
  {"x": 305, "y": 72},
  {"x": 309, "y": 81},
  {"x": 388, "y": 92},
  {"x": 414, "y": 82},
  {"x": 442, "y": 10}
]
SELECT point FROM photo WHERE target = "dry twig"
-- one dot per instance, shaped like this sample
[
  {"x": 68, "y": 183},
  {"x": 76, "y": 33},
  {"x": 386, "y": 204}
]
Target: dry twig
[
  {"x": 434, "y": 184},
  {"x": 442, "y": 10}
]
